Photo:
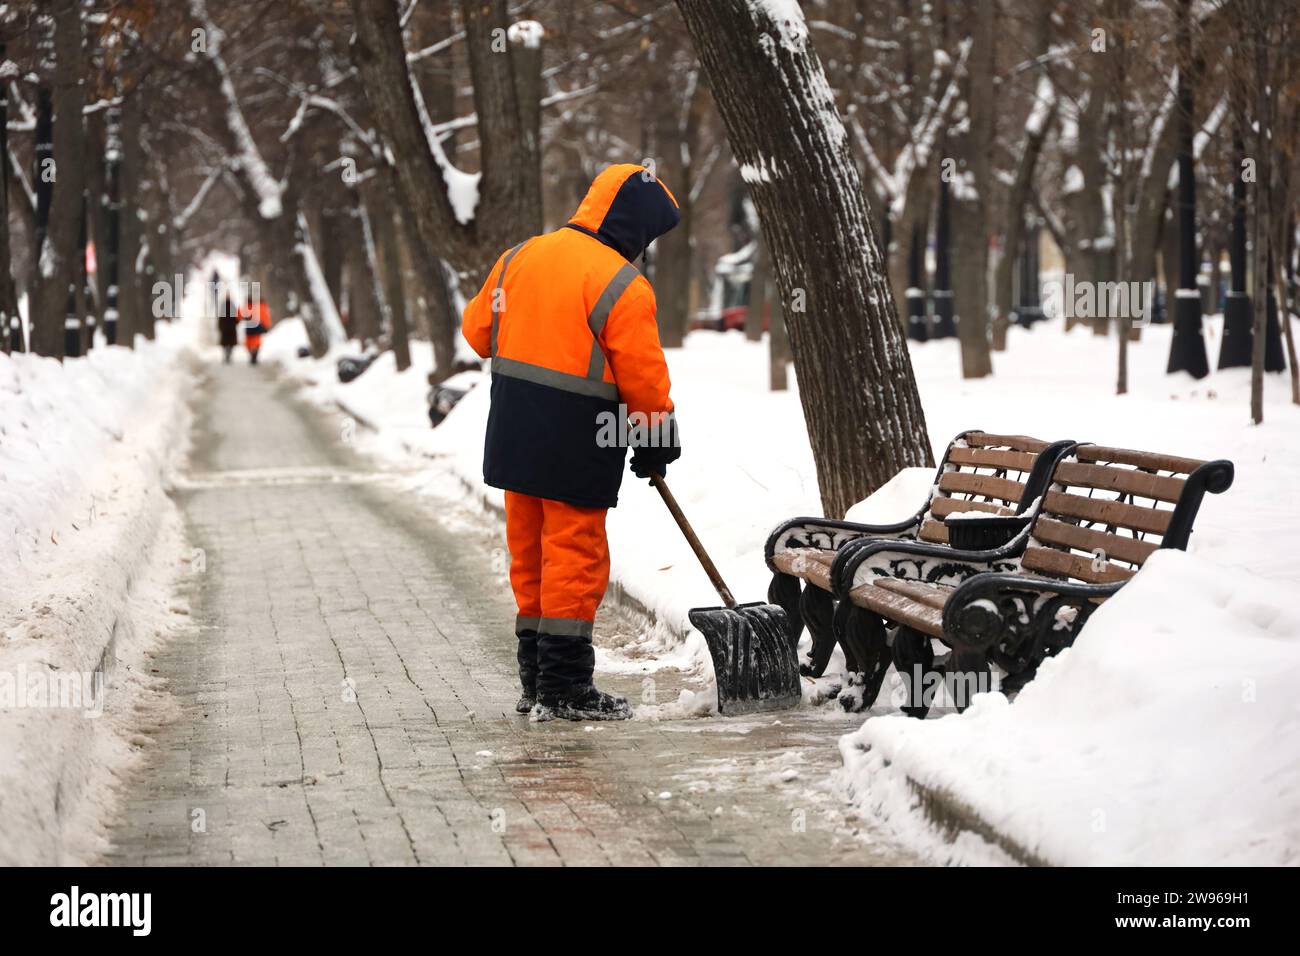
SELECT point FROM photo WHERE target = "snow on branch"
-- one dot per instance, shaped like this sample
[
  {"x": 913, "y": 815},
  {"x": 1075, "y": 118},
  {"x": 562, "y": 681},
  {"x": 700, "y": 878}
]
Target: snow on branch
[
  {"x": 846, "y": 34},
  {"x": 893, "y": 184},
  {"x": 1158, "y": 126},
  {"x": 885, "y": 186},
  {"x": 183, "y": 219},
  {"x": 632, "y": 25},
  {"x": 433, "y": 48},
  {"x": 787, "y": 17},
  {"x": 20, "y": 176},
  {"x": 462, "y": 187},
  {"x": 1044, "y": 102},
  {"x": 1212, "y": 124},
  {"x": 1202, "y": 138},
  {"x": 527, "y": 33},
  {"x": 100, "y": 104},
  {"x": 265, "y": 185},
  {"x": 447, "y": 127},
  {"x": 322, "y": 300},
  {"x": 406, "y": 16},
  {"x": 24, "y": 108}
]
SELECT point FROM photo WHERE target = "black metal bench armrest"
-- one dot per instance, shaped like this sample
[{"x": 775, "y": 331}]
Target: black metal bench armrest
[
  {"x": 830, "y": 534},
  {"x": 921, "y": 561},
  {"x": 1018, "y": 619}
]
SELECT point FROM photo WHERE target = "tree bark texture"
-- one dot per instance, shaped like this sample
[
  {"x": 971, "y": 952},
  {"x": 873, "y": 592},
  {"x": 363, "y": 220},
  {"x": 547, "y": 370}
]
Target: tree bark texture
[{"x": 856, "y": 382}]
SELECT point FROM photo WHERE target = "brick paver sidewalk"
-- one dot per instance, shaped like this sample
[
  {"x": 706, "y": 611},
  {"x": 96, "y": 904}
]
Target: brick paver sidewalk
[{"x": 347, "y": 695}]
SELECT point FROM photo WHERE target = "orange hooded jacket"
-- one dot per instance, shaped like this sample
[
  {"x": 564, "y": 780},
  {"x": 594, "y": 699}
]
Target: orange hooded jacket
[
  {"x": 570, "y": 326},
  {"x": 254, "y": 317}
]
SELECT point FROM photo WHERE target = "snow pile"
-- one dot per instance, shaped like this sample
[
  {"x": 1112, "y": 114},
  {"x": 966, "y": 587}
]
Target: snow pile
[
  {"x": 787, "y": 17},
  {"x": 898, "y": 499},
  {"x": 89, "y": 544},
  {"x": 1168, "y": 735},
  {"x": 527, "y": 33},
  {"x": 1144, "y": 721}
]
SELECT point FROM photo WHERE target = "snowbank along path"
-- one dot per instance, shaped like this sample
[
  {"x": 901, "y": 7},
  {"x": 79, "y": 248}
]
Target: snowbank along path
[{"x": 347, "y": 693}]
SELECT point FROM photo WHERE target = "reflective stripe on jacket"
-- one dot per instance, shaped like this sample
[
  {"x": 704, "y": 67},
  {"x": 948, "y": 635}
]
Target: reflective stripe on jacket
[{"x": 570, "y": 326}]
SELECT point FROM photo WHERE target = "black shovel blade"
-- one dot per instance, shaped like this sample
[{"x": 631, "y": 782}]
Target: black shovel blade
[{"x": 753, "y": 657}]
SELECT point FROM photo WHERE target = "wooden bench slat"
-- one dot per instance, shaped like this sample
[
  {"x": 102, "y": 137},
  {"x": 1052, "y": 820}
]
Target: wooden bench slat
[
  {"x": 936, "y": 532},
  {"x": 1051, "y": 561},
  {"x": 1140, "y": 483},
  {"x": 1116, "y": 513},
  {"x": 942, "y": 507},
  {"x": 993, "y": 458},
  {"x": 961, "y": 482},
  {"x": 931, "y": 595},
  {"x": 1116, "y": 546},
  {"x": 810, "y": 564},
  {"x": 1014, "y": 442},
  {"x": 899, "y": 608},
  {"x": 1139, "y": 459}
]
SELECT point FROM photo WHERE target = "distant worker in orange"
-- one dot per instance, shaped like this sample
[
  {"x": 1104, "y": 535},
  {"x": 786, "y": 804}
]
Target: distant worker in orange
[
  {"x": 255, "y": 318},
  {"x": 570, "y": 326}
]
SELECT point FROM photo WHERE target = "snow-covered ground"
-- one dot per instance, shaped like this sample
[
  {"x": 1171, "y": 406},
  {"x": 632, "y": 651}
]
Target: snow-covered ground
[
  {"x": 1166, "y": 735},
  {"x": 90, "y": 546}
]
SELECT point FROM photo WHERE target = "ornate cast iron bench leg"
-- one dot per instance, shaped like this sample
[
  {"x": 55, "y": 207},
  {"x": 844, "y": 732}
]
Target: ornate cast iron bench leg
[
  {"x": 816, "y": 608},
  {"x": 866, "y": 652},
  {"x": 784, "y": 592},
  {"x": 966, "y": 672},
  {"x": 914, "y": 660}
]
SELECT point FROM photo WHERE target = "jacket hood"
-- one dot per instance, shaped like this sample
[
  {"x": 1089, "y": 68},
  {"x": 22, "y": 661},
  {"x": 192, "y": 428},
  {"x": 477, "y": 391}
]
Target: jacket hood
[{"x": 627, "y": 208}]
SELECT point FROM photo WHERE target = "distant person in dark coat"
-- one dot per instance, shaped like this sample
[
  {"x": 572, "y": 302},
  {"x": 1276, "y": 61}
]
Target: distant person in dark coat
[{"x": 227, "y": 327}]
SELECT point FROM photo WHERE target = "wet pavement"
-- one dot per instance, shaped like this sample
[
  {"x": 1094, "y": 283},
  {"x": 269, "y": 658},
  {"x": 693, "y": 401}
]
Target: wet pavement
[{"x": 347, "y": 692}]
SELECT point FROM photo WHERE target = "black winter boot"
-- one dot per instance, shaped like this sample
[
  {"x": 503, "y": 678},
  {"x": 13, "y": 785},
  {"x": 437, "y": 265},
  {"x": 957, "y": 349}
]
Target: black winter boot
[
  {"x": 527, "y": 656},
  {"x": 564, "y": 687}
]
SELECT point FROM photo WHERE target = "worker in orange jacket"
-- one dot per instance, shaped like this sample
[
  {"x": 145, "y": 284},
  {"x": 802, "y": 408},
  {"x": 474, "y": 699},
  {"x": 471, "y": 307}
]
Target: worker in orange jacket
[
  {"x": 255, "y": 318},
  {"x": 570, "y": 326}
]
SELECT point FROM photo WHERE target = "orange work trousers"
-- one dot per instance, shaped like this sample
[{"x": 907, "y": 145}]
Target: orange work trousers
[{"x": 559, "y": 564}]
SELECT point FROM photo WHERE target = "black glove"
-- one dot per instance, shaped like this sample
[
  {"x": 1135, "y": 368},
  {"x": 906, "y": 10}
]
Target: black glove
[{"x": 665, "y": 447}]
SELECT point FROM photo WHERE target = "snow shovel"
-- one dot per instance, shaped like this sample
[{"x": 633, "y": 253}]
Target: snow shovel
[{"x": 753, "y": 657}]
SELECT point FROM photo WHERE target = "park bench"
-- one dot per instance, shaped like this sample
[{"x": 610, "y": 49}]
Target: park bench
[
  {"x": 1104, "y": 513},
  {"x": 996, "y": 475}
]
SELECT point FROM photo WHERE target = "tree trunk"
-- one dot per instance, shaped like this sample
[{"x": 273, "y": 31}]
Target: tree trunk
[
  {"x": 97, "y": 212},
  {"x": 130, "y": 297},
  {"x": 1235, "y": 346},
  {"x": 1263, "y": 188},
  {"x": 504, "y": 214},
  {"x": 676, "y": 135},
  {"x": 760, "y": 282},
  {"x": 79, "y": 330},
  {"x": 9, "y": 319},
  {"x": 526, "y": 63},
  {"x": 971, "y": 214},
  {"x": 1187, "y": 348},
  {"x": 945, "y": 322},
  {"x": 365, "y": 302},
  {"x": 56, "y": 267},
  {"x": 390, "y": 267},
  {"x": 918, "y": 319},
  {"x": 856, "y": 383},
  {"x": 673, "y": 269},
  {"x": 778, "y": 350},
  {"x": 434, "y": 286},
  {"x": 1014, "y": 234},
  {"x": 331, "y": 250},
  {"x": 41, "y": 338}
]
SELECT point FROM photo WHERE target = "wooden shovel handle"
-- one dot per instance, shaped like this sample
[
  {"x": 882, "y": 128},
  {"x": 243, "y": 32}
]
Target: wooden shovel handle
[{"x": 710, "y": 569}]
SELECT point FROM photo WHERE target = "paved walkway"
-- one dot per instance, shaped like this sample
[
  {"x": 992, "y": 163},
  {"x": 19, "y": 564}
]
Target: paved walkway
[{"x": 347, "y": 694}]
